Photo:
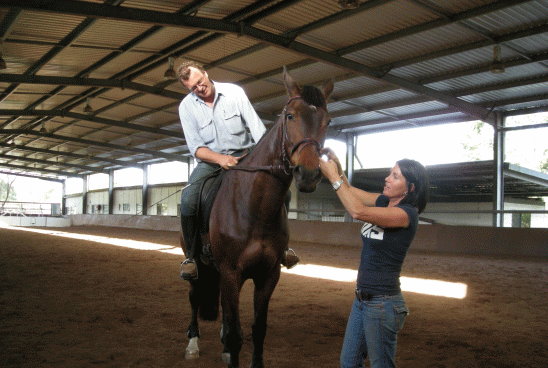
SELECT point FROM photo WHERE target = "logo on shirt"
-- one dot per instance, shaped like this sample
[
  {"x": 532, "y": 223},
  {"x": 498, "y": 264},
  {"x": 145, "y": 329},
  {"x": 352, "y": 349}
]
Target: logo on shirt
[{"x": 372, "y": 231}]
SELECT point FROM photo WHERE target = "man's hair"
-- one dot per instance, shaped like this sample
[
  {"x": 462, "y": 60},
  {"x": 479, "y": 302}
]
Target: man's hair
[{"x": 183, "y": 70}]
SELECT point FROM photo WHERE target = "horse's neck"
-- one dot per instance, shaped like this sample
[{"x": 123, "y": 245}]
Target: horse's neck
[
  {"x": 268, "y": 153},
  {"x": 269, "y": 150}
]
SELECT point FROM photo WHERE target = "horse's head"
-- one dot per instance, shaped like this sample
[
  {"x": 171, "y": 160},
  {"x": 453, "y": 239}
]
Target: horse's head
[{"x": 306, "y": 120}]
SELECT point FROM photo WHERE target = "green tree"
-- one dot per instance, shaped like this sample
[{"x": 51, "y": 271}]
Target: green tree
[
  {"x": 48, "y": 195},
  {"x": 475, "y": 142},
  {"x": 544, "y": 164},
  {"x": 7, "y": 191},
  {"x": 527, "y": 148}
]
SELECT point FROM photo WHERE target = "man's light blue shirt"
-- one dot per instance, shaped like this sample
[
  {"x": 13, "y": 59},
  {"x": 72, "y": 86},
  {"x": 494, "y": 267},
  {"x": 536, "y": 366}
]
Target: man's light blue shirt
[{"x": 221, "y": 128}]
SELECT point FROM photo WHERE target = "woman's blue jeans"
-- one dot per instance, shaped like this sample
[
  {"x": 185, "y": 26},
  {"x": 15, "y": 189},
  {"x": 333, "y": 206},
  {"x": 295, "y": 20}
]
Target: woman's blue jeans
[{"x": 372, "y": 331}]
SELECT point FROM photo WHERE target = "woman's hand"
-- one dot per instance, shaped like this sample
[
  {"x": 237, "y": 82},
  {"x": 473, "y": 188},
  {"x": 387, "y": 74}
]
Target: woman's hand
[
  {"x": 332, "y": 156},
  {"x": 331, "y": 168}
]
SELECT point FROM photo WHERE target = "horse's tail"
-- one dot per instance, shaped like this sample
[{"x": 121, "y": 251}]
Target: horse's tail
[{"x": 208, "y": 291}]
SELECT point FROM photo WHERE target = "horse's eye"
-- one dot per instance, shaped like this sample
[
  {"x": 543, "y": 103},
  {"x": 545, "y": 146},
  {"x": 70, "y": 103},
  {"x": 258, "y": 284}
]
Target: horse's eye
[{"x": 289, "y": 116}]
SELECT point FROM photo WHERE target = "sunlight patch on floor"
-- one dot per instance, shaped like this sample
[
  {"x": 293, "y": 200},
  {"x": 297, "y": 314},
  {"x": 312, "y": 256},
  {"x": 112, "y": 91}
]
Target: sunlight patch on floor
[
  {"x": 323, "y": 272},
  {"x": 448, "y": 289},
  {"x": 411, "y": 284},
  {"x": 126, "y": 243}
]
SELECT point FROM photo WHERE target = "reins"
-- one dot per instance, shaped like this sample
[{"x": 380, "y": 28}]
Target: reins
[
  {"x": 272, "y": 169},
  {"x": 269, "y": 168}
]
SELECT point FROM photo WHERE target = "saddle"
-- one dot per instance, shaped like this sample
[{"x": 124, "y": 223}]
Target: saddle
[{"x": 208, "y": 192}]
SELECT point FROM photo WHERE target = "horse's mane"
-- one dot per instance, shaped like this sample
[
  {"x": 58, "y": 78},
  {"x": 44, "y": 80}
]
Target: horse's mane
[{"x": 313, "y": 96}]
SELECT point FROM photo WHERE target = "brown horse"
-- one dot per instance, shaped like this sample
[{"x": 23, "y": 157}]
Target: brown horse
[{"x": 248, "y": 229}]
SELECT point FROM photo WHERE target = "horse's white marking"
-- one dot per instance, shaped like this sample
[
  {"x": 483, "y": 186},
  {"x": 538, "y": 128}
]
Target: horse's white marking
[
  {"x": 225, "y": 357},
  {"x": 192, "y": 350}
]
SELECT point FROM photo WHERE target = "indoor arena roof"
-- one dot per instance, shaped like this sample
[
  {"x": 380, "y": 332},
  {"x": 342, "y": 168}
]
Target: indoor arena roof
[
  {"x": 466, "y": 181},
  {"x": 84, "y": 88}
]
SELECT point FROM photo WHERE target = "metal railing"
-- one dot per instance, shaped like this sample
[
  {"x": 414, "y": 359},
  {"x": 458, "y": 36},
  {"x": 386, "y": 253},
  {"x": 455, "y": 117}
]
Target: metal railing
[
  {"x": 511, "y": 218},
  {"x": 26, "y": 209}
]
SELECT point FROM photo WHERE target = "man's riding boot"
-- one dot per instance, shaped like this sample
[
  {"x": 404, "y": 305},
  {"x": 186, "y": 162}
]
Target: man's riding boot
[
  {"x": 290, "y": 258},
  {"x": 189, "y": 270}
]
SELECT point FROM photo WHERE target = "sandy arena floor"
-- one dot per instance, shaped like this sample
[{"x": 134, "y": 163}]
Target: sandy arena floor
[{"x": 77, "y": 303}]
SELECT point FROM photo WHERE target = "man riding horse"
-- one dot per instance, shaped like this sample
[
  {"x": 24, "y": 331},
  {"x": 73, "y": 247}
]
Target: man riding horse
[{"x": 214, "y": 117}]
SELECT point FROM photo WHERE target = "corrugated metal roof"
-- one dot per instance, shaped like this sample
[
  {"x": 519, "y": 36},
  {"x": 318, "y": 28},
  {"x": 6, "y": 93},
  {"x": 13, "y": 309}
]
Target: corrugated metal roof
[
  {"x": 168, "y": 6},
  {"x": 513, "y": 17},
  {"x": 386, "y": 17},
  {"x": 70, "y": 61},
  {"x": 50, "y": 27},
  {"x": 219, "y": 48},
  {"x": 297, "y": 15},
  {"x": 395, "y": 64},
  {"x": 507, "y": 93},
  {"x": 529, "y": 71},
  {"x": 219, "y": 9}
]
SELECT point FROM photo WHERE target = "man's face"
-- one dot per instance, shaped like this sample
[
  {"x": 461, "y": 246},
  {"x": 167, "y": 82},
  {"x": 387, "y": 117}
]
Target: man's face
[{"x": 199, "y": 83}]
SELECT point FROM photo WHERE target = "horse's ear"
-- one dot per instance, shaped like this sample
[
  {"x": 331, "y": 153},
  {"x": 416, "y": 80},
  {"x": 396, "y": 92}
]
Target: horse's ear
[
  {"x": 290, "y": 85},
  {"x": 328, "y": 89}
]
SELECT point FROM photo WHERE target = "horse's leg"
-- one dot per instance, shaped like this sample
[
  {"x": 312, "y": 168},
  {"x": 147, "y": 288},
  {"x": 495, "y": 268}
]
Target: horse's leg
[
  {"x": 231, "y": 331},
  {"x": 193, "y": 333},
  {"x": 264, "y": 287}
]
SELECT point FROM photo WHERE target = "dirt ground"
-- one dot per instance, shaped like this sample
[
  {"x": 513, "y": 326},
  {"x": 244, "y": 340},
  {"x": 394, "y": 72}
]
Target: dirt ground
[{"x": 77, "y": 303}]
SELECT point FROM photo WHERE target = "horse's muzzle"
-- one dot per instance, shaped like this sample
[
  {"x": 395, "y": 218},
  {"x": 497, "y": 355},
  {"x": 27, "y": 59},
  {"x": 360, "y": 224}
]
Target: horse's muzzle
[{"x": 306, "y": 180}]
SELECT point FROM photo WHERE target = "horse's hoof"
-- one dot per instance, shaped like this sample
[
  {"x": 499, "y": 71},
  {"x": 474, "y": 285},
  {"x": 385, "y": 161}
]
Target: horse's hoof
[
  {"x": 190, "y": 355},
  {"x": 290, "y": 259},
  {"x": 226, "y": 358},
  {"x": 192, "y": 350}
]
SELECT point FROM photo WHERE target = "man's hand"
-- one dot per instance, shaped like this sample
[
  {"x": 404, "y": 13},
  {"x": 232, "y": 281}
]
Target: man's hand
[{"x": 226, "y": 161}]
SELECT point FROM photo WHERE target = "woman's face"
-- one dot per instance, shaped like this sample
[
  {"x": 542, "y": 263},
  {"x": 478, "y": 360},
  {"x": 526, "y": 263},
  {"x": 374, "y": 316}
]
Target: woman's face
[{"x": 395, "y": 184}]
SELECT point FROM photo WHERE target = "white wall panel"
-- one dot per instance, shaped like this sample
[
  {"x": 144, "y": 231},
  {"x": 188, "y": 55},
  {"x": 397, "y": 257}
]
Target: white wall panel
[
  {"x": 97, "y": 202},
  {"x": 128, "y": 201},
  {"x": 74, "y": 205},
  {"x": 164, "y": 200}
]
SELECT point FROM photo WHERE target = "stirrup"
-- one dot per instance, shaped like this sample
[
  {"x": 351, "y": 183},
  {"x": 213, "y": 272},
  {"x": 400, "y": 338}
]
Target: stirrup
[
  {"x": 189, "y": 270},
  {"x": 290, "y": 259}
]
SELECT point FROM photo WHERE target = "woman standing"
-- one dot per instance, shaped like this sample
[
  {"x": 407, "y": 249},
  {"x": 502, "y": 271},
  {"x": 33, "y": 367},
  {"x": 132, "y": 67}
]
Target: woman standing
[{"x": 391, "y": 220}]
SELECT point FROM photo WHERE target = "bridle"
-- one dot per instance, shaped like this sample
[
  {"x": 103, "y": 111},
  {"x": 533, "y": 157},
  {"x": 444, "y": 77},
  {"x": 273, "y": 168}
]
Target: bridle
[
  {"x": 296, "y": 146},
  {"x": 286, "y": 166}
]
